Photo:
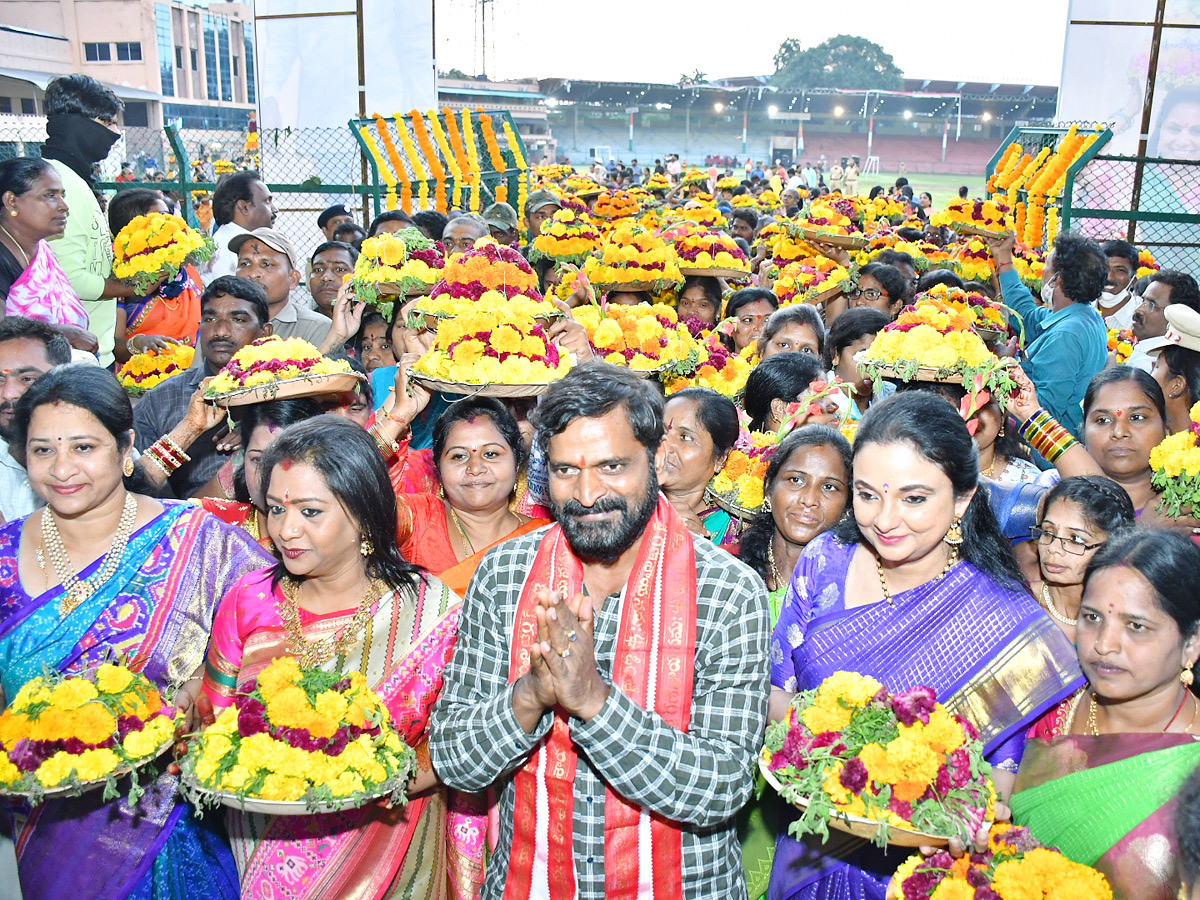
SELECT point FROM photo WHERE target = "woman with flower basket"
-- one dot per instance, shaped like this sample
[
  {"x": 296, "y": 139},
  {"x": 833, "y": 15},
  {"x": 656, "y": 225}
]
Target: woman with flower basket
[
  {"x": 1101, "y": 770},
  {"x": 918, "y": 586},
  {"x": 105, "y": 570},
  {"x": 343, "y": 599},
  {"x": 701, "y": 429}
]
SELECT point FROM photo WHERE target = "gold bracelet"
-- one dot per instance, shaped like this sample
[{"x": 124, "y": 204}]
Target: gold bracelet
[
  {"x": 175, "y": 448},
  {"x": 151, "y": 457}
]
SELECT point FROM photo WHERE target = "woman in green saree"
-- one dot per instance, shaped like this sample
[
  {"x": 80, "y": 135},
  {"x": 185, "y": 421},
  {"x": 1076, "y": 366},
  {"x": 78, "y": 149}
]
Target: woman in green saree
[
  {"x": 701, "y": 428},
  {"x": 1101, "y": 772}
]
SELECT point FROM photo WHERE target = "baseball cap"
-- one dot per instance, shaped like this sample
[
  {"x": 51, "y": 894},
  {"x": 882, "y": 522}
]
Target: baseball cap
[
  {"x": 538, "y": 199},
  {"x": 1183, "y": 330},
  {"x": 276, "y": 240},
  {"x": 500, "y": 215},
  {"x": 336, "y": 210}
]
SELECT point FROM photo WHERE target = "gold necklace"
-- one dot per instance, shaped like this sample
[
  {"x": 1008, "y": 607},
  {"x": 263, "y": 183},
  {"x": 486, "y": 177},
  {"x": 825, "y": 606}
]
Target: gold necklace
[
  {"x": 1095, "y": 732},
  {"x": 461, "y": 531},
  {"x": 776, "y": 575},
  {"x": 887, "y": 595},
  {"x": 1053, "y": 610},
  {"x": 311, "y": 654},
  {"x": 76, "y": 591},
  {"x": 16, "y": 243}
]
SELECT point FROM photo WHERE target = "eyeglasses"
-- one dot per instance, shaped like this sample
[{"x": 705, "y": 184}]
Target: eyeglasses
[
  {"x": 1148, "y": 300},
  {"x": 1074, "y": 544},
  {"x": 869, "y": 293}
]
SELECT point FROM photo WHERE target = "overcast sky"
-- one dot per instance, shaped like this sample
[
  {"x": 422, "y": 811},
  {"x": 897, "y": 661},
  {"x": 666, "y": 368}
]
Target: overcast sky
[{"x": 1018, "y": 41}]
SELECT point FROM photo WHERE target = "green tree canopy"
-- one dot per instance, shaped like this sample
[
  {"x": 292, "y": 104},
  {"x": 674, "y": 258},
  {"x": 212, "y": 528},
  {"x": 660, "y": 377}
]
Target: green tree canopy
[{"x": 843, "y": 61}]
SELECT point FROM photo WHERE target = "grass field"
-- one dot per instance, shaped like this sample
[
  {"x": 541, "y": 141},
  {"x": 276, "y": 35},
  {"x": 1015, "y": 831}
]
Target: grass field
[{"x": 944, "y": 188}]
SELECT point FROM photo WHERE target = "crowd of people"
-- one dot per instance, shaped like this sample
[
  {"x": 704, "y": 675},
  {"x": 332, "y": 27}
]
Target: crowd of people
[{"x": 598, "y": 646}]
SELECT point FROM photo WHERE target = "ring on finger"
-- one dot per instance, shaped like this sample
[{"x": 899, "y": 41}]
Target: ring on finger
[
  {"x": 571, "y": 635},
  {"x": 565, "y": 653}
]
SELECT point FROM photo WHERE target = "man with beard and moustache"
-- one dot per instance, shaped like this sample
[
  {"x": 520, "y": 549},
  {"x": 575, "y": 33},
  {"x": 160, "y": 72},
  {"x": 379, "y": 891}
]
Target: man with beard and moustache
[
  {"x": 612, "y": 665},
  {"x": 28, "y": 350},
  {"x": 173, "y": 414},
  {"x": 81, "y": 127},
  {"x": 1166, "y": 287}
]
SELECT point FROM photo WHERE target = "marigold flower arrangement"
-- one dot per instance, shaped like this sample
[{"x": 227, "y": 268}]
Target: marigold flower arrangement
[
  {"x": 580, "y": 185},
  {"x": 710, "y": 250},
  {"x": 567, "y": 236},
  {"x": 1015, "y": 866},
  {"x": 297, "y": 734},
  {"x": 644, "y": 337},
  {"x": 739, "y": 484},
  {"x": 986, "y": 315},
  {"x": 490, "y": 270},
  {"x": 744, "y": 201},
  {"x": 883, "y": 208},
  {"x": 143, "y": 371},
  {"x": 822, "y": 221},
  {"x": 694, "y": 176},
  {"x": 1176, "y": 465},
  {"x": 930, "y": 342},
  {"x": 727, "y": 183},
  {"x": 405, "y": 262},
  {"x": 495, "y": 346},
  {"x": 974, "y": 216},
  {"x": 804, "y": 280},
  {"x": 852, "y": 748},
  {"x": 973, "y": 261},
  {"x": 768, "y": 201},
  {"x": 888, "y": 240},
  {"x": 1121, "y": 342},
  {"x": 154, "y": 247},
  {"x": 717, "y": 368},
  {"x": 708, "y": 217},
  {"x": 657, "y": 183},
  {"x": 790, "y": 248},
  {"x": 632, "y": 255},
  {"x": 616, "y": 205},
  {"x": 553, "y": 171},
  {"x": 67, "y": 731},
  {"x": 271, "y": 359}
]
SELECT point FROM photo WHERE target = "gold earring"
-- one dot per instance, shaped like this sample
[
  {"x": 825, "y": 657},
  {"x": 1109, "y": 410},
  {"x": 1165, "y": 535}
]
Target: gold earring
[
  {"x": 954, "y": 535},
  {"x": 440, "y": 493},
  {"x": 365, "y": 547},
  {"x": 1186, "y": 675},
  {"x": 1000, "y": 433},
  {"x": 127, "y": 466}
]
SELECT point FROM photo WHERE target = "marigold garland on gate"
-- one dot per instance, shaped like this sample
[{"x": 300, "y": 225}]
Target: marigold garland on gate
[
  {"x": 381, "y": 166},
  {"x": 468, "y": 132},
  {"x": 462, "y": 161},
  {"x": 414, "y": 161},
  {"x": 402, "y": 176},
  {"x": 514, "y": 148},
  {"x": 269, "y": 359},
  {"x": 1015, "y": 866},
  {"x": 63, "y": 731},
  {"x": 850, "y": 747},
  {"x": 154, "y": 247},
  {"x": 143, "y": 371},
  {"x": 301, "y": 735},
  {"x": 431, "y": 158}
]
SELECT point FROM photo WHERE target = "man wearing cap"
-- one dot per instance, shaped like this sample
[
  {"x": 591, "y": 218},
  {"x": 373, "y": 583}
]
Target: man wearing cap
[
  {"x": 268, "y": 257},
  {"x": 331, "y": 218},
  {"x": 1176, "y": 368},
  {"x": 501, "y": 221},
  {"x": 539, "y": 206},
  {"x": 1167, "y": 287}
]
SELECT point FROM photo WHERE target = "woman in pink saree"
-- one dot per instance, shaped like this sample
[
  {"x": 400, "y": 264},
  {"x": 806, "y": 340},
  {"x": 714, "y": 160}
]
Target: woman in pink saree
[{"x": 344, "y": 599}]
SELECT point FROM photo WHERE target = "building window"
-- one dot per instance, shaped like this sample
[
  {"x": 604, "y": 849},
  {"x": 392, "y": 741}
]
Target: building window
[
  {"x": 223, "y": 46},
  {"x": 164, "y": 42},
  {"x": 216, "y": 118},
  {"x": 178, "y": 57},
  {"x": 236, "y": 73},
  {"x": 136, "y": 115},
  {"x": 248, "y": 34},
  {"x": 130, "y": 51},
  {"x": 28, "y": 107},
  {"x": 97, "y": 52},
  {"x": 5, "y": 104},
  {"x": 211, "y": 74},
  {"x": 195, "y": 60}
]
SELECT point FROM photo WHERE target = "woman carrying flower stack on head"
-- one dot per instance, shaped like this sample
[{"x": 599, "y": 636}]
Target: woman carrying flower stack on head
[
  {"x": 343, "y": 599},
  {"x": 121, "y": 573},
  {"x": 479, "y": 460},
  {"x": 746, "y": 315},
  {"x": 1079, "y": 515},
  {"x": 793, "y": 329},
  {"x": 1102, "y": 769},
  {"x": 776, "y": 383},
  {"x": 701, "y": 427},
  {"x": 852, "y": 333},
  {"x": 171, "y": 314},
  {"x": 916, "y": 586}
]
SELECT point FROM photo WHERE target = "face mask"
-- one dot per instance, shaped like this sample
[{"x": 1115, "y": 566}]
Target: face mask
[
  {"x": 1048, "y": 293},
  {"x": 1108, "y": 301}
]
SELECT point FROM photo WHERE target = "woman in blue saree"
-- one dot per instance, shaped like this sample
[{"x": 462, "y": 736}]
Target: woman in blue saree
[
  {"x": 102, "y": 570},
  {"x": 916, "y": 586}
]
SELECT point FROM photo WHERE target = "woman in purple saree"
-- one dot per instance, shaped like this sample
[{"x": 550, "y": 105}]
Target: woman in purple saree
[
  {"x": 149, "y": 599},
  {"x": 918, "y": 586}
]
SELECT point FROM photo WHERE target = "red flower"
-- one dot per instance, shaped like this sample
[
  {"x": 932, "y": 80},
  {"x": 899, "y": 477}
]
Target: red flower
[
  {"x": 915, "y": 703},
  {"x": 854, "y": 775}
]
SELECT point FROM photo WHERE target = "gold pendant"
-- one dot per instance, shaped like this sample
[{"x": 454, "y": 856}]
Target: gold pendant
[{"x": 73, "y": 599}]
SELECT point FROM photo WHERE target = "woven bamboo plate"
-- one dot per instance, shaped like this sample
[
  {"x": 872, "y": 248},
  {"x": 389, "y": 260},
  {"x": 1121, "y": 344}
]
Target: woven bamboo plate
[
  {"x": 303, "y": 386},
  {"x": 862, "y": 827},
  {"x": 738, "y": 512},
  {"x": 965, "y": 228},
  {"x": 715, "y": 273},
  {"x": 847, "y": 241},
  {"x": 480, "y": 390}
]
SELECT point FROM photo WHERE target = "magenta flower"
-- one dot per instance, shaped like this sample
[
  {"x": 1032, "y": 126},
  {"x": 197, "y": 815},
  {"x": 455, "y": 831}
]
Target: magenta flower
[
  {"x": 915, "y": 703},
  {"x": 854, "y": 776}
]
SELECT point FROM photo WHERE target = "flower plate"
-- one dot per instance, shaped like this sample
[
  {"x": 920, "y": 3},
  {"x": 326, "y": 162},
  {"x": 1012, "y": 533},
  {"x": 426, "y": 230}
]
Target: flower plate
[
  {"x": 847, "y": 241},
  {"x": 302, "y": 386},
  {"x": 967, "y": 228},
  {"x": 39, "y": 795},
  {"x": 207, "y": 797},
  {"x": 715, "y": 273},
  {"x": 627, "y": 286},
  {"x": 480, "y": 390},
  {"x": 924, "y": 373},
  {"x": 738, "y": 512},
  {"x": 862, "y": 827},
  {"x": 392, "y": 289}
]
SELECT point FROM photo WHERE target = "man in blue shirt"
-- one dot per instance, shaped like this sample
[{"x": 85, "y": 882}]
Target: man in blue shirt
[{"x": 1066, "y": 342}]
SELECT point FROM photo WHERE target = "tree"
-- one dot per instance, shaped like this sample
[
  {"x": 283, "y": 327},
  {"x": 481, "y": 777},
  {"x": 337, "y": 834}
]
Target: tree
[
  {"x": 786, "y": 51},
  {"x": 456, "y": 73},
  {"x": 843, "y": 61},
  {"x": 697, "y": 77}
]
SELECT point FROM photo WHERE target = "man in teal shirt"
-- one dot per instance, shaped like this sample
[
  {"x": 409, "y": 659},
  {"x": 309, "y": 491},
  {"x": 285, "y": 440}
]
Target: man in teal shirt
[
  {"x": 81, "y": 120},
  {"x": 1066, "y": 342}
]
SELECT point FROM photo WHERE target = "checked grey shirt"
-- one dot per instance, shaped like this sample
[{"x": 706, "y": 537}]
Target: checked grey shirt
[{"x": 698, "y": 780}]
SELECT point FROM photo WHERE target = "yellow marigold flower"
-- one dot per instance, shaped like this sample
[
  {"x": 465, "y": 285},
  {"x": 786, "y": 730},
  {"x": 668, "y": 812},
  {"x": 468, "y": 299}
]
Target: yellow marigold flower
[
  {"x": 953, "y": 889},
  {"x": 331, "y": 704},
  {"x": 856, "y": 690},
  {"x": 112, "y": 679},
  {"x": 819, "y": 720},
  {"x": 913, "y": 760},
  {"x": 8, "y": 772},
  {"x": 234, "y": 779},
  {"x": 289, "y": 707},
  {"x": 833, "y": 785},
  {"x": 347, "y": 783},
  {"x": 72, "y": 693}
]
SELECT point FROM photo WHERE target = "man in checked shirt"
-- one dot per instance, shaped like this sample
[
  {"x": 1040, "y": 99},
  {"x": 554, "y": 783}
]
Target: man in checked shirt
[{"x": 610, "y": 675}]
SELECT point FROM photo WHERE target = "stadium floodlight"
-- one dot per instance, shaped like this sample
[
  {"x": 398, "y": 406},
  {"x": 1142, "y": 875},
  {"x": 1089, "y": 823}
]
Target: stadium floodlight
[
  {"x": 719, "y": 107},
  {"x": 773, "y": 110},
  {"x": 551, "y": 102},
  {"x": 987, "y": 117},
  {"x": 908, "y": 114},
  {"x": 838, "y": 110}
]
